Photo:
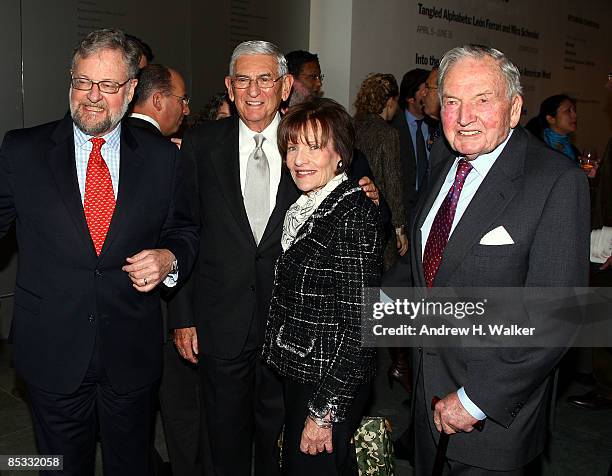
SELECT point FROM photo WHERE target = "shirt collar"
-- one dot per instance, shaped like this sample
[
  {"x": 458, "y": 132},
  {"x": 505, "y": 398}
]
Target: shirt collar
[
  {"x": 269, "y": 132},
  {"x": 483, "y": 163},
  {"x": 144, "y": 117},
  {"x": 410, "y": 118},
  {"x": 112, "y": 139}
]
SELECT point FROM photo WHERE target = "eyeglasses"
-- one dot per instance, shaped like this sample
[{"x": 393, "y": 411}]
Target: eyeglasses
[
  {"x": 313, "y": 77},
  {"x": 264, "y": 81},
  {"x": 108, "y": 87},
  {"x": 185, "y": 99}
]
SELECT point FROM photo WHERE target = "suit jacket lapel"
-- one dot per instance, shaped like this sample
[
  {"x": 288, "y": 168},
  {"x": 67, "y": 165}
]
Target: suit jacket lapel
[
  {"x": 62, "y": 163},
  {"x": 225, "y": 160},
  {"x": 287, "y": 194},
  {"x": 129, "y": 186},
  {"x": 492, "y": 197}
]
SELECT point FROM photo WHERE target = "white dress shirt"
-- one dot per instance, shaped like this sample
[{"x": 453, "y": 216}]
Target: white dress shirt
[
  {"x": 481, "y": 166},
  {"x": 144, "y": 117},
  {"x": 246, "y": 146}
]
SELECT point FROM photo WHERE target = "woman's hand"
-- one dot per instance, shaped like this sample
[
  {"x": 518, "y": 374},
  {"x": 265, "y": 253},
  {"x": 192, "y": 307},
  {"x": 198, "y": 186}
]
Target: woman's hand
[
  {"x": 315, "y": 439},
  {"x": 402, "y": 241}
]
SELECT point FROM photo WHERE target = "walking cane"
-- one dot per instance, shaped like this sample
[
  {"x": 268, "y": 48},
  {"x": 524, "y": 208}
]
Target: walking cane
[{"x": 438, "y": 467}]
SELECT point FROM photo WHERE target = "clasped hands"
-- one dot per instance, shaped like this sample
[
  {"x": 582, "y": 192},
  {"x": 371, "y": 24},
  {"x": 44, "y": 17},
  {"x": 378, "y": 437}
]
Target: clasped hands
[{"x": 149, "y": 268}]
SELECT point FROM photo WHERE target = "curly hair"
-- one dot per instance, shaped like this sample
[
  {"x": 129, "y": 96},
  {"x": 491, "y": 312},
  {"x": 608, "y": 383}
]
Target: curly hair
[{"x": 374, "y": 92}]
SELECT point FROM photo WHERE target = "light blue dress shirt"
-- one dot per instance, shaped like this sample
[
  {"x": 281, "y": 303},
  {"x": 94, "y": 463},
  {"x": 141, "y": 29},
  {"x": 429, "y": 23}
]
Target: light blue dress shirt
[
  {"x": 111, "y": 154},
  {"x": 481, "y": 166}
]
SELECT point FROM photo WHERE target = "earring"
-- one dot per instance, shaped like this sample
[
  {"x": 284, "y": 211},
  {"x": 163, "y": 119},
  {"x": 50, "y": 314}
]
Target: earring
[{"x": 340, "y": 165}]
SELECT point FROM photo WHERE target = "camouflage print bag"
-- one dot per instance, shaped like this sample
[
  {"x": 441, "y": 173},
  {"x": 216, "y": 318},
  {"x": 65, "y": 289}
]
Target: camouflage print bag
[{"x": 374, "y": 447}]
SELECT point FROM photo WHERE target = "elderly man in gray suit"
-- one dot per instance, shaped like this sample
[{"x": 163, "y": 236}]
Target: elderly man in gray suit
[{"x": 501, "y": 210}]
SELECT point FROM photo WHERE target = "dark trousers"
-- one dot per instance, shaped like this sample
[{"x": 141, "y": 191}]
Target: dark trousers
[
  {"x": 342, "y": 460},
  {"x": 243, "y": 403},
  {"x": 179, "y": 401},
  {"x": 68, "y": 425}
]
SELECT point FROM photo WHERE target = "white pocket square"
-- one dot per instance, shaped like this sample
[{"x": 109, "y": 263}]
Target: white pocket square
[{"x": 497, "y": 236}]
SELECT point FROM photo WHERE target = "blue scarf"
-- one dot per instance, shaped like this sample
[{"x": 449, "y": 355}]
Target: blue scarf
[{"x": 560, "y": 143}]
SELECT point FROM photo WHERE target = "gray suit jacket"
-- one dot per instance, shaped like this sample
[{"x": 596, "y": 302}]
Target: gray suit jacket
[{"x": 543, "y": 203}]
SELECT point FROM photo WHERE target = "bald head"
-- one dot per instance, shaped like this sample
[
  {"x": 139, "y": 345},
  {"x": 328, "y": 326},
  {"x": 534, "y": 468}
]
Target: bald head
[{"x": 161, "y": 94}]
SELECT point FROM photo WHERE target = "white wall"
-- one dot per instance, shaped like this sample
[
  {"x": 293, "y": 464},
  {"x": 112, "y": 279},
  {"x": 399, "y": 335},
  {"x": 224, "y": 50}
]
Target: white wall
[{"x": 331, "y": 37}]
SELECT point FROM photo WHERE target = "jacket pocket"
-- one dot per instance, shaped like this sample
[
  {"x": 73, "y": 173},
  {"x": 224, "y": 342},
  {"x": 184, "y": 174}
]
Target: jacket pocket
[
  {"x": 27, "y": 300},
  {"x": 295, "y": 340}
]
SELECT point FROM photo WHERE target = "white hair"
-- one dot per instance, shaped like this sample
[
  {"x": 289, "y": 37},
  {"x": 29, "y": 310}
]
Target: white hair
[
  {"x": 258, "y": 48},
  {"x": 510, "y": 73}
]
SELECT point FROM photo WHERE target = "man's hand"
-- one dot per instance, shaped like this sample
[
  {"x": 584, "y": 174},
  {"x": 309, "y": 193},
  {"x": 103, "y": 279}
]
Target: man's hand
[
  {"x": 402, "y": 242},
  {"x": 149, "y": 268},
  {"x": 451, "y": 417},
  {"x": 176, "y": 141},
  {"x": 186, "y": 342},
  {"x": 606, "y": 264},
  {"x": 315, "y": 440},
  {"x": 369, "y": 189}
]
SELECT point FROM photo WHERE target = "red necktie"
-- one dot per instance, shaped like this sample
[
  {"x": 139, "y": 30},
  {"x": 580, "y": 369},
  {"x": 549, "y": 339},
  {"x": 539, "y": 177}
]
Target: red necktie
[
  {"x": 441, "y": 226},
  {"x": 99, "y": 203}
]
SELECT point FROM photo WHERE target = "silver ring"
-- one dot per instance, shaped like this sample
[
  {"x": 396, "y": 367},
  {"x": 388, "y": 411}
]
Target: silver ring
[{"x": 145, "y": 280}]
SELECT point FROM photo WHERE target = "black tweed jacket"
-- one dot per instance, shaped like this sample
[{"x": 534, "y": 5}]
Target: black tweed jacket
[{"x": 313, "y": 334}]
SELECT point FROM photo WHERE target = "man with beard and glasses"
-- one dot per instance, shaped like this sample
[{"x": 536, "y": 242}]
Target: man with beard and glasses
[{"x": 103, "y": 217}]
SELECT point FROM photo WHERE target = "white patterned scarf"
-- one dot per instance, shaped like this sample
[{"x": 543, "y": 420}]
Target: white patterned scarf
[{"x": 305, "y": 206}]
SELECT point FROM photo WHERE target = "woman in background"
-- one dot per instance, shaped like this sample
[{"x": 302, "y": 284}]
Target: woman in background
[
  {"x": 554, "y": 124},
  {"x": 376, "y": 104}
]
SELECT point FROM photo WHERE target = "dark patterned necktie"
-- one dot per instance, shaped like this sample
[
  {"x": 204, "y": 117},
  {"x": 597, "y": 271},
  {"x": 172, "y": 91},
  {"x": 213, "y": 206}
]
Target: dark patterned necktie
[
  {"x": 441, "y": 226},
  {"x": 99, "y": 203}
]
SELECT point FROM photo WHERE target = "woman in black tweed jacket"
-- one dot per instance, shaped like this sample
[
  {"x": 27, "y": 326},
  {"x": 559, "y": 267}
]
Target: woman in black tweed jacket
[{"x": 332, "y": 249}]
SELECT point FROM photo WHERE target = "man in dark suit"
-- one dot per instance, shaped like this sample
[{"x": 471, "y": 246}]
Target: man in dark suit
[
  {"x": 103, "y": 217},
  {"x": 244, "y": 193},
  {"x": 500, "y": 210},
  {"x": 414, "y": 134},
  {"x": 160, "y": 102},
  {"x": 159, "y": 106}
]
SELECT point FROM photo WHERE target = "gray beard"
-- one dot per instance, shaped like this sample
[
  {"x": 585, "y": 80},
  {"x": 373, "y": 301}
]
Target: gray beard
[{"x": 102, "y": 127}]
